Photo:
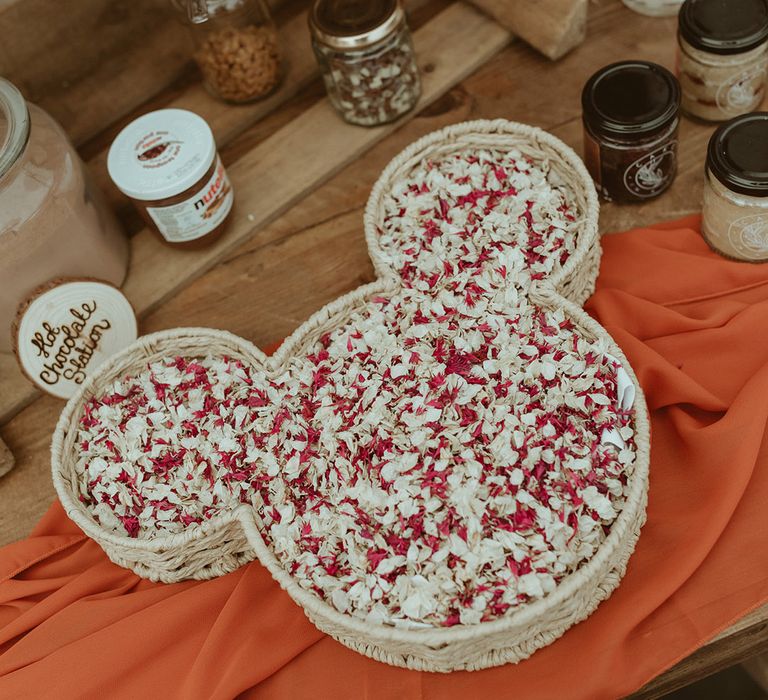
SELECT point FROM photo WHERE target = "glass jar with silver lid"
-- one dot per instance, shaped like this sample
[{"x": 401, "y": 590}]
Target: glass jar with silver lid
[{"x": 366, "y": 57}]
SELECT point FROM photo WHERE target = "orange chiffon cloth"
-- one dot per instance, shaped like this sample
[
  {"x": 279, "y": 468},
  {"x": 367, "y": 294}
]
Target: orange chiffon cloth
[{"x": 695, "y": 328}]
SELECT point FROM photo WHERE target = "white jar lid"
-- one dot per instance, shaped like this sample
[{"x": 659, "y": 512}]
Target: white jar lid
[{"x": 161, "y": 154}]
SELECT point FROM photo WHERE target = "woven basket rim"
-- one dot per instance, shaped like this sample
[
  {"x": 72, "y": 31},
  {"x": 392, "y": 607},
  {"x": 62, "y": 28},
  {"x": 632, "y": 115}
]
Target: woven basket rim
[
  {"x": 313, "y": 605},
  {"x": 582, "y": 183}
]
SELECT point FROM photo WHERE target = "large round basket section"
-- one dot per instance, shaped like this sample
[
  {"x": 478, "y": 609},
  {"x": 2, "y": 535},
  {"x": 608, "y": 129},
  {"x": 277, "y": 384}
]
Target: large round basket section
[
  {"x": 576, "y": 279},
  {"x": 202, "y": 551},
  {"x": 515, "y": 637},
  {"x": 233, "y": 537}
]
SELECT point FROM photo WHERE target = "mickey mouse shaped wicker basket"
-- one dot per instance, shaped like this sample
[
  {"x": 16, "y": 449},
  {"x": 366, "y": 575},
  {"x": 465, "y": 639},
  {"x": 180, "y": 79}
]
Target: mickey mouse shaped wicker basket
[{"x": 446, "y": 469}]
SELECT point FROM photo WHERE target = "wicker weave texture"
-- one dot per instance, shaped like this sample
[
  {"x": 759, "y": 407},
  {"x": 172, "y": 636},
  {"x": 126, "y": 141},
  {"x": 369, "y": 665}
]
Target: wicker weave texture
[{"x": 227, "y": 541}]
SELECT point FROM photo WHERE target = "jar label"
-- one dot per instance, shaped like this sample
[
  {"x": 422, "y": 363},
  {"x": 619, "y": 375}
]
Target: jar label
[
  {"x": 70, "y": 328},
  {"x": 652, "y": 173},
  {"x": 740, "y": 93},
  {"x": 199, "y": 214},
  {"x": 749, "y": 236}
]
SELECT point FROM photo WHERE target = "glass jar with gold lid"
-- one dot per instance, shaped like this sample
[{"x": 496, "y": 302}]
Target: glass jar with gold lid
[{"x": 366, "y": 57}]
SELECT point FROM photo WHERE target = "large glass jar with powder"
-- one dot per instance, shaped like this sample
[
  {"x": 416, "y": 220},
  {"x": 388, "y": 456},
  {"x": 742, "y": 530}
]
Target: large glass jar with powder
[
  {"x": 366, "y": 57},
  {"x": 722, "y": 57},
  {"x": 735, "y": 217},
  {"x": 53, "y": 221}
]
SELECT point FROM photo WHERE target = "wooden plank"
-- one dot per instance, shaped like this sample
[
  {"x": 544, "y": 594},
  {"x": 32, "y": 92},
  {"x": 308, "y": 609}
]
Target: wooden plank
[
  {"x": 95, "y": 60},
  {"x": 283, "y": 168},
  {"x": 92, "y": 63},
  {"x": 6, "y": 459},
  {"x": 743, "y": 640},
  {"x": 296, "y": 159},
  {"x": 757, "y": 668},
  {"x": 226, "y": 121},
  {"x": 553, "y": 27}
]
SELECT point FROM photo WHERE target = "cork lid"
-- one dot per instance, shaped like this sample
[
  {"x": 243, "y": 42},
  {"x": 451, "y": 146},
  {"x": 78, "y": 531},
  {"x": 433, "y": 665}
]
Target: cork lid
[
  {"x": 161, "y": 154},
  {"x": 67, "y": 328}
]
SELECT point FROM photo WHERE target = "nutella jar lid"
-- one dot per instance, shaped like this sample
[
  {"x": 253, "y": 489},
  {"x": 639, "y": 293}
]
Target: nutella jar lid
[
  {"x": 738, "y": 154},
  {"x": 724, "y": 26},
  {"x": 630, "y": 99},
  {"x": 354, "y": 24},
  {"x": 161, "y": 154}
]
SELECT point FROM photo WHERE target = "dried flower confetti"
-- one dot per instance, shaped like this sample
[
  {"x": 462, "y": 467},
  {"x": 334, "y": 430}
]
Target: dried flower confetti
[{"x": 448, "y": 452}]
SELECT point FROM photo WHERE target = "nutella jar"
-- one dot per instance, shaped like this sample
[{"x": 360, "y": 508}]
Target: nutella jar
[
  {"x": 735, "y": 216},
  {"x": 630, "y": 114},
  {"x": 366, "y": 56},
  {"x": 53, "y": 221},
  {"x": 722, "y": 57},
  {"x": 166, "y": 162}
]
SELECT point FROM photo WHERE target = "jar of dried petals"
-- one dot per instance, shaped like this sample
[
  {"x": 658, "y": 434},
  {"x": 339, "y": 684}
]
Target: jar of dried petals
[
  {"x": 366, "y": 56},
  {"x": 236, "y": 47},
  {"x": 735, "y": 217}
]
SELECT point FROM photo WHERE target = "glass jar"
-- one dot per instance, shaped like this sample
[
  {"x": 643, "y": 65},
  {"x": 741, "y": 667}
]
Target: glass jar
[
  {"x": 630, "y": 115},
  {"x": 236, "y": 47},
  {"x": 735, "y": 216},
  {"x": 366, "y": 57},
  {"x": 53, "y": 221},
  {"x": 654, "y": 8},
  {"x": 166, "y": 161},
  {"x": 722, "y": 57}
]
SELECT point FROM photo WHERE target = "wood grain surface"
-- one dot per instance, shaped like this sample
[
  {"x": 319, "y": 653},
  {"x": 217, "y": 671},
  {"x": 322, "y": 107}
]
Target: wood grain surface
[{"x": 304, "y": 245}]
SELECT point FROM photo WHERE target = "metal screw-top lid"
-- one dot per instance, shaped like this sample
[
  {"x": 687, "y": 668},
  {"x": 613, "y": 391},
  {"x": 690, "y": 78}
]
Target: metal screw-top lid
[
  {"x": 631, "y": 99},
  {"x": 724, "y": 26},
  {"x": 354, "y": 24},
  {"x": 738, "y": 154},
  {"x": 14, "y": 125}
]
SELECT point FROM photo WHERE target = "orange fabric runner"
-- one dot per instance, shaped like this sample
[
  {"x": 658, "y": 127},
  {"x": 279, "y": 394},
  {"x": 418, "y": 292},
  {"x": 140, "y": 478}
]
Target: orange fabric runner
[{"x": 695, "y": 328}]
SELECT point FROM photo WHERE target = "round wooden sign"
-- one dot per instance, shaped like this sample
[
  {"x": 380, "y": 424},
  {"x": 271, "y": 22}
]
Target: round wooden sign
[{"x": 67, "y": 329}]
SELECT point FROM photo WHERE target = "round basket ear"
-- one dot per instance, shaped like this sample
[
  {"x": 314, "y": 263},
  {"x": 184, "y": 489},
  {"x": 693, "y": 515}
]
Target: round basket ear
[{"x": 505, "y": 200}]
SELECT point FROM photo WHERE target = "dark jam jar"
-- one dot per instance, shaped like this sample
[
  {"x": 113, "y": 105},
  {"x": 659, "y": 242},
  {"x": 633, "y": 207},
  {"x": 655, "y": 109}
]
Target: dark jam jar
[{"x": 631, "y": 117}]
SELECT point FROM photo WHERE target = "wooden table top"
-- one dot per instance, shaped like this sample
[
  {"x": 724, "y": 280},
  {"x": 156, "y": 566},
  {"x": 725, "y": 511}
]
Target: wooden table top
[{"x": 301, "y": 183}]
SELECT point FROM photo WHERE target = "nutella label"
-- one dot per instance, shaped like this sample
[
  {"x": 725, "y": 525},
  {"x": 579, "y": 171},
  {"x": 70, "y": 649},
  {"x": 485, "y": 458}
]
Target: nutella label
[
  {"x": 67, "y": 331},
  {"x": 199, "y": 214},
  {"x": 651, "y": 174},
  {"x": 749, "y": 236}
]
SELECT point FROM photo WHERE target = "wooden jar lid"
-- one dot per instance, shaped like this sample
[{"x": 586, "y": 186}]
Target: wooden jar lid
[{"x": 67, "y": 328}]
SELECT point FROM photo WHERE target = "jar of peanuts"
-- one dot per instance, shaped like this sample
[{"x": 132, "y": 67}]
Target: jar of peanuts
[
  {"x": 366, "y": 56},
  {"x": 236, "y": 47}
]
